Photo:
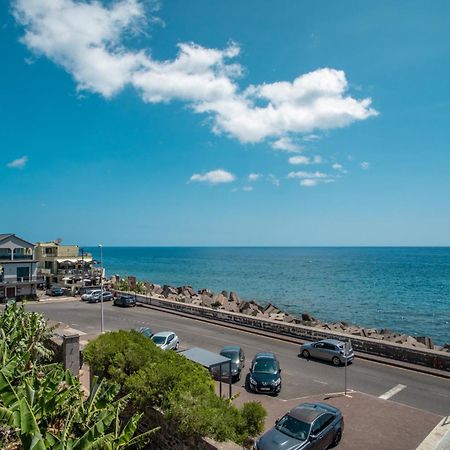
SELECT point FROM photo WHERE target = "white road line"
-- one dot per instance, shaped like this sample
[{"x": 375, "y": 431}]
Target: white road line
[
  {"x": 321, "y": 382},
  {"x": 439, "y": 438},
  {"x": 395, "y": 390}
]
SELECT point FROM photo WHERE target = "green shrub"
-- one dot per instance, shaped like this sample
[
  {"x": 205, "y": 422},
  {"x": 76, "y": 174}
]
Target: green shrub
[{"x": 166, "y": 380}]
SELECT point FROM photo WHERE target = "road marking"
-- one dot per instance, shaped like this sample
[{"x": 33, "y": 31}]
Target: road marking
[
  {"x": 321, "y": 382},
  {"x": 439, "y": 438},
  {"x": 395, "y": 390}
]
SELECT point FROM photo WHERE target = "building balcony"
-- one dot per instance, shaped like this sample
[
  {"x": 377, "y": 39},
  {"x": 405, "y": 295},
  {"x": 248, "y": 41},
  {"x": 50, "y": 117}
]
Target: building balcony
[{"x": 12, "y": 280}]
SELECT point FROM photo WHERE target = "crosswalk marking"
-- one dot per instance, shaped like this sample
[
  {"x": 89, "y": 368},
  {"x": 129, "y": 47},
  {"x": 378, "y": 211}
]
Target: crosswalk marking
[{"x": 395, "y": 390}]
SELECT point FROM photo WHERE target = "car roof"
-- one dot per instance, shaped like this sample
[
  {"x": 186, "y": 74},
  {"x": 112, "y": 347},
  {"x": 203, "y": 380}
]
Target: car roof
[
  {"x": 332, "y": 341},
  {"x": 163, "y": 333},
  {"x": 230, "y": 348},
  {"x": 308, "y": 412},
  {"x": 265, "y": 355}
]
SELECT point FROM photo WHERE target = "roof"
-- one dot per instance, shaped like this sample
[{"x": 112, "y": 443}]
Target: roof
[
  {"x": 307, "y": 412},
  {"x": 5, "y": 236},
  {"x": 204, "y": 357},
  {"x": 164, "y": 333},
  {"x": 265, "y": 355},
  {"x": 333, "y": 341},
  {"x": 230, "y": 348}
]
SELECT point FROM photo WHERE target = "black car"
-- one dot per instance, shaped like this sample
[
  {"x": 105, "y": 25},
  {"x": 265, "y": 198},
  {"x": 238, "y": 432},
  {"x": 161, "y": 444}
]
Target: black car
[
  {"x": 309, "y": 426},
  {"x": 237, "y": 357},
  {"x": 97, "y": 297},
  {"x": 265, "y": 374},
  {"x": 125, "y": 300},
  {"x": 56, "y": 291}
]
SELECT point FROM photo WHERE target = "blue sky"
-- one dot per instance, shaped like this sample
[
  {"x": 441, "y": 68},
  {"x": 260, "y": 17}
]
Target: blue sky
[{"x": 225, "y": 123}]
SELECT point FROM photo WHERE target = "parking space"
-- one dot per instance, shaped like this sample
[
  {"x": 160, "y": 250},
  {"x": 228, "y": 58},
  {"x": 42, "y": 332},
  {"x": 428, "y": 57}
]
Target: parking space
[{"x": 370, "y": 422}]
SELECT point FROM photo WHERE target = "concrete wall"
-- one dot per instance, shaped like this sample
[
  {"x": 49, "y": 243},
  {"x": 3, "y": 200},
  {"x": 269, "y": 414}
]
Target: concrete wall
[{"x": 424, "y": 357}]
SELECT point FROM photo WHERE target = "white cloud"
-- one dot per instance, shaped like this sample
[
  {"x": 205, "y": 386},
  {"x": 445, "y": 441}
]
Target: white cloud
[
  {"x": 247, "y": 188},
  {"x": 365, "y": 165},
  {"x": 88, "y": 40},
  {"x": 339, "y": 168},
  {"x": 311, "y": 179},
  {"x": 254, "y": 176},
  {"x": 285, "y": 144},
  {"x": 297, "y": 160},
  {"x": 18, "y": 163},
  {"x": 214, "y": 177},
  {"x": 301, "y": 174},
  {"x": 273, "y": 179},
  {"x": 311, "y": 137}
]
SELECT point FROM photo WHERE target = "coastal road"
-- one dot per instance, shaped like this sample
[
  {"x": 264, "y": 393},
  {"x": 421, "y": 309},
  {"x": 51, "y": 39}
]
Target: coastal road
[{"x": 301, "y": 377}]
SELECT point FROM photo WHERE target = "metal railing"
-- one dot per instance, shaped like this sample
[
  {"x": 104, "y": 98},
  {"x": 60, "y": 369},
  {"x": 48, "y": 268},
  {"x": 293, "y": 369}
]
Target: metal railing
[{"x": 20, "y": 280}]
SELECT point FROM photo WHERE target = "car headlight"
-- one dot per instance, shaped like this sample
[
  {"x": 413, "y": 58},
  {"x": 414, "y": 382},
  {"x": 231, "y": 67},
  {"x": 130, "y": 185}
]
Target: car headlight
[
  {"x": 252, "y": 380},
  {"x": 234, "y": 370},
  {"x": 276, "y": 382}
]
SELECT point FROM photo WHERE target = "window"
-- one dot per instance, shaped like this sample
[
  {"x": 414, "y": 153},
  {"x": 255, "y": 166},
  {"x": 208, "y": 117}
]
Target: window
[
  {"x": 23, "y": 274},
  {"x": 327, "y": 346},
  {"x": 321, "y": 423}
]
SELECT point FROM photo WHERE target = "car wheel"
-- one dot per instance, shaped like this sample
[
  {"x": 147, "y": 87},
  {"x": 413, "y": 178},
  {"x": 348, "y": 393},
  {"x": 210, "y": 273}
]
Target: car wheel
[
  {"x": 305, "y": 354},
  {"x": 337, "y": 438},
  {"x": 336, "y": 361}
]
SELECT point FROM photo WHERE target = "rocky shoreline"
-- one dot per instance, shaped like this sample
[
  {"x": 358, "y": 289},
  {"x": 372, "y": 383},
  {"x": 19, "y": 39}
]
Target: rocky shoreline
[{"x": 230, "y": 301}]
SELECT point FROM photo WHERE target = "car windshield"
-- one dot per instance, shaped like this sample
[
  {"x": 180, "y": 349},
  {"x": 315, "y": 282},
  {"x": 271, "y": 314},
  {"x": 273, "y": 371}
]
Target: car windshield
[
  {"x": 232, "y": 355},
  {"x": 293, "y": 427},
  {"x": 159, "y": 340},
  {"x": 265, "y": 366}
]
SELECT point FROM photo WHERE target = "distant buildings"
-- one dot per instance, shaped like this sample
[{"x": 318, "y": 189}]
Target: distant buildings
[
  {"x": 18, "y": 268},
  {"x": 65, "y": 265}
]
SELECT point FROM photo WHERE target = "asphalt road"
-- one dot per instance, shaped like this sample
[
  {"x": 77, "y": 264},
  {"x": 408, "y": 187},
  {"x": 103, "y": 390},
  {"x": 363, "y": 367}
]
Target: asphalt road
[{"x": 300, "y": 377}]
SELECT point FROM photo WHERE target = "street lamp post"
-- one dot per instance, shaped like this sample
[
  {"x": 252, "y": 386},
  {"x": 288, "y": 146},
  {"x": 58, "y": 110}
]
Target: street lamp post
[{"x": 101, "y": 281}]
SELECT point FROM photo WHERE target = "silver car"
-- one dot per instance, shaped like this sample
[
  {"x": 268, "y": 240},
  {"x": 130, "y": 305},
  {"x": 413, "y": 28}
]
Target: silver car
[
  {"x": 166, "y": 340},
  {"x": 329, "y": 350},
  {"x": 88, "y": 295}
]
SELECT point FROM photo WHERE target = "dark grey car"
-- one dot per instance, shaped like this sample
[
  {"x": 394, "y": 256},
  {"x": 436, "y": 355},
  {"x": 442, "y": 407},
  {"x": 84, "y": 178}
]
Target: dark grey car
[
  {"x": 236, "y": 354},
  {"x": 309, "y": 426},
  {"x": 329, "y": 350}
]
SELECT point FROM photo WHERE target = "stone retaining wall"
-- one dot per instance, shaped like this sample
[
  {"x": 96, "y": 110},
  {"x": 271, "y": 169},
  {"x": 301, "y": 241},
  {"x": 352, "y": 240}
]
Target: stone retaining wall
[{"x": 424, "y": 357}]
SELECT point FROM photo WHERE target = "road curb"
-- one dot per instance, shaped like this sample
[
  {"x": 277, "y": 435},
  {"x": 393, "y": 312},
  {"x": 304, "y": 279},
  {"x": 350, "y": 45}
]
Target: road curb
[{"x": 360, "y": 355}]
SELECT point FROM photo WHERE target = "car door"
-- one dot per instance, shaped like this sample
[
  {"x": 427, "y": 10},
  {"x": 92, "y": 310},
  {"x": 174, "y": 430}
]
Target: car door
[
  {"x": 328, "y": 351},
  {"x": 321, "y": 430},
  {"x": 317, "y": 350},
  {"x": 170, "y": 341}
]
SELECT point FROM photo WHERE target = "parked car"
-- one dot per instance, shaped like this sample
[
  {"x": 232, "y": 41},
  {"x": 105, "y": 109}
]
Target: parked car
[
  {"x": 56, "y": 291},
  {"x": 125, "y": 300},
  {"x": 147, "y": 332},
  {"x": 166, "y": 340},
  {"x": 88, "y": 294},
  {"x": 237, "y": 357},
  {"x": 97, "y": 297},
  {"x": 265, "y": 373},
  {"x": 309, "y": 426},
  {"x": 329, "y": 350}
]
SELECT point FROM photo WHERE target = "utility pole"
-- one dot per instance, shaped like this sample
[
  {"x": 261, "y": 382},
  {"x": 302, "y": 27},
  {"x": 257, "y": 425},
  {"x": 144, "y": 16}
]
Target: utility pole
[{"x": 101, "y": 280}]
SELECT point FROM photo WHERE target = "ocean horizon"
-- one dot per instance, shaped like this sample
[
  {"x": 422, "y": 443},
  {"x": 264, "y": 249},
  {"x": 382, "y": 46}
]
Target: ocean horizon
[{"x": 401, "y": 288}]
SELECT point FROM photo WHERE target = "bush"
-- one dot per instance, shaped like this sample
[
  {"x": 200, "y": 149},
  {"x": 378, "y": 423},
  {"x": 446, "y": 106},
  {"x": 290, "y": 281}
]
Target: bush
[{"x": 182, "y": 389}]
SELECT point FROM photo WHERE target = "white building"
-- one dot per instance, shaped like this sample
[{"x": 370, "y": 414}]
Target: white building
[{"x": 18, "y": 268}]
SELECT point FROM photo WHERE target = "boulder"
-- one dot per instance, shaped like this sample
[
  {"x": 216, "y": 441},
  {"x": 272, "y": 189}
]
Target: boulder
[
  {"x": 425, "y": 340},
  {"x": 205, "y": 291},
  {"x": 219, "y": 300},
  {"x": 206, "y": 300},
  {"x": 271, "y": 309},
  {"x": 169, "y": 291},
  {"x": 306, "y": 317},
  {"x": 157, "y": 289},
  {"x": 234, "y": 298},
  {"x": 225, "y": 293},
  {"x": 288, "y": 318}
]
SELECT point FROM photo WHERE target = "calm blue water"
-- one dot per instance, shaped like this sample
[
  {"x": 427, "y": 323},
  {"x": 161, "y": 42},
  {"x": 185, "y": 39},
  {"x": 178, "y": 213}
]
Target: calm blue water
[{"x": 403, "y": 289}]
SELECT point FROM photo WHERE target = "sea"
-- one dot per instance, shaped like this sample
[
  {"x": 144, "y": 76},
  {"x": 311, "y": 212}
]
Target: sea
[{"x": 403, "y": 289}]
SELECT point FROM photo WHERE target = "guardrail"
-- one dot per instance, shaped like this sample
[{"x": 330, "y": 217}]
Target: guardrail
[{"x": 429, "y": 358}]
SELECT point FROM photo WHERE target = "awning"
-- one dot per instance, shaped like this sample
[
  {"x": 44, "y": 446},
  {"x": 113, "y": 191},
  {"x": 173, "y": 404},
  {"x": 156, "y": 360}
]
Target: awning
[{"x": 73, "y": 260}]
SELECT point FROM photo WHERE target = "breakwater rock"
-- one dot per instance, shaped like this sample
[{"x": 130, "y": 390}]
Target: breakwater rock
[{"x": 230, "y": 301}]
